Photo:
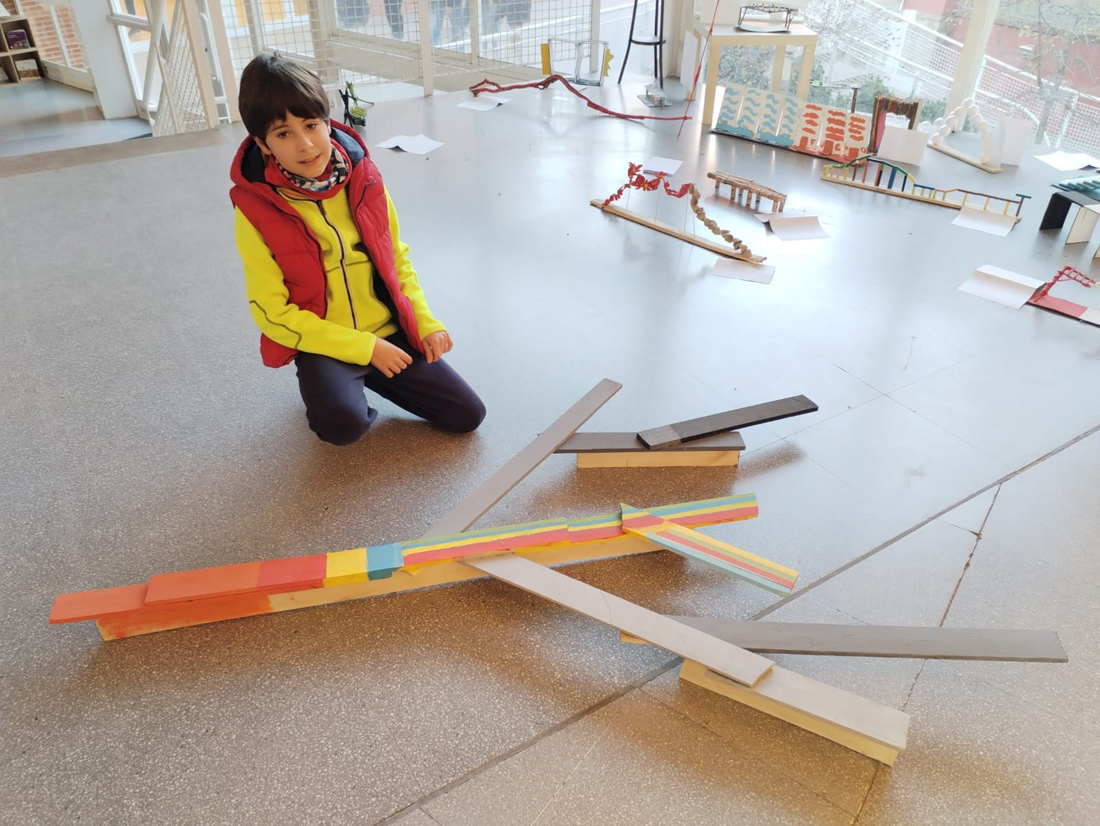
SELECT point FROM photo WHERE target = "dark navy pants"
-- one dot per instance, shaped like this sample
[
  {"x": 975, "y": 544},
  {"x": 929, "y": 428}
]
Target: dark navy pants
[{"x": 337, "y": 409}]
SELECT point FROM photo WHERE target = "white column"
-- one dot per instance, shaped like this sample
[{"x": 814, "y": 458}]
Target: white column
[
  {"x": 982, "y": 17},
  {"x": 106, "y": 62}
]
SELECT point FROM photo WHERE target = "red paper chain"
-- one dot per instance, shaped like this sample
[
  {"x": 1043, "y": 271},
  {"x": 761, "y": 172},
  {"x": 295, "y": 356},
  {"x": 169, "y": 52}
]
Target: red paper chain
[
  {"x": 636, "y": 181},
  {"x": 494, "y": 87}
]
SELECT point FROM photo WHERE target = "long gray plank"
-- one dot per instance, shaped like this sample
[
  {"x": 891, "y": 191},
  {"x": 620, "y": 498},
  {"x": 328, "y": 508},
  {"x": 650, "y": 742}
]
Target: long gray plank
[
  {"x": 629, "y": 443},
  {"x": 470, "y": 509},
  {"x": 678, "y": 637},
  {"x": 885, "y": 640},
  {"x": 671, "y": 434}
]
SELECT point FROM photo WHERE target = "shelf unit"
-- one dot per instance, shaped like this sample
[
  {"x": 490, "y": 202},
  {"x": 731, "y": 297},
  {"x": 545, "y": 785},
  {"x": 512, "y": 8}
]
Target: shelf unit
[{"x": 9, "y": 55}]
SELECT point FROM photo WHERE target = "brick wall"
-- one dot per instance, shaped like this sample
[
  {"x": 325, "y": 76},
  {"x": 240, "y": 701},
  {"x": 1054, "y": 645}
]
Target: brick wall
[{"x": 46, "y": 36}]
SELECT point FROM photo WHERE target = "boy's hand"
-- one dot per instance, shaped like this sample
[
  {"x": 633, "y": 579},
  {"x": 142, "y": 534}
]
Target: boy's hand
[
  {"x": 436, "y": 344},
  {"x": 389, "y": 358}
]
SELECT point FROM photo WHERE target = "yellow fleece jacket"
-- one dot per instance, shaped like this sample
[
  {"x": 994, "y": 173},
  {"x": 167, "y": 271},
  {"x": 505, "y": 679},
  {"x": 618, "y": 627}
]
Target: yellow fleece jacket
[{"x": 355, "y": 317}]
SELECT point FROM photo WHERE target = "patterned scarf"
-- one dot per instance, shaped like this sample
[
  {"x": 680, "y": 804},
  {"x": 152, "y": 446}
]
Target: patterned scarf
[{"x": 337, "y": 170}]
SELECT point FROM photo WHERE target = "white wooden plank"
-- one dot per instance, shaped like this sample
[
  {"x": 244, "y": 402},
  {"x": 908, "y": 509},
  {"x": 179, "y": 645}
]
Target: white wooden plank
[
  {"x": 855, "y": 722},
  {"x": 726, "y": 659}
]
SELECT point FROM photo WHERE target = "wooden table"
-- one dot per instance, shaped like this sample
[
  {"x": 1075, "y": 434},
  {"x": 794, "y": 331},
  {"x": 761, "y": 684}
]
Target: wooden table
[{"x": 728, "y": 35}]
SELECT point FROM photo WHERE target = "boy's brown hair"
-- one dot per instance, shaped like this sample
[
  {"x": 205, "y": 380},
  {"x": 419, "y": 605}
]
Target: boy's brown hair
[{"x": 272, "y": 85}]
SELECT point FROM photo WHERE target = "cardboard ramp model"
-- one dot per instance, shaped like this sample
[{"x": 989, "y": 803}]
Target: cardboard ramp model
[{"x": 512, "y": 554}]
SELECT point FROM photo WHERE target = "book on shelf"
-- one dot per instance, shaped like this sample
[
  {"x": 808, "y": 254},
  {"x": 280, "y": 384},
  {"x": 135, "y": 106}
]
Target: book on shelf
[{"x": 18, "y": 39}]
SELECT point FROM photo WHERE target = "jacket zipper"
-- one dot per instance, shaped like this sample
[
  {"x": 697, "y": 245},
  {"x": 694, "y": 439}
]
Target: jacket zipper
[{"x": 343, "y": 266}]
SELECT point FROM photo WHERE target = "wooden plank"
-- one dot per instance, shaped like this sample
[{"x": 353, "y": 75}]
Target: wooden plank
[
  {"x": 671, "y": 434},
  {"x": 85, "y": 605},
  {"x": 519, "y": 466},
  {"x": 855, "y": 722},
  {"x": 726, "y": 659},
  {"x": 694, "y": 545},
  {"x": 961, "y": 156},
  {"x": 152, "y": 619},
  {"x": 710, "y": 246},
  {"x": 223, "y": 580},
  {"x": 630, "y": 443},
  {"x": 488, "y": 540},
  {"x": 821, "y": 639},
  {"x": 661, "y": 458}
]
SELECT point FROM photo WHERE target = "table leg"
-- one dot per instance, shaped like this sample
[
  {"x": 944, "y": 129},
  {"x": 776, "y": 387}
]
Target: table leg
[
  {"x": 777, "y": 67},
  {"x": 807, "y": 69},
  {"x": 712, "y": 84}
]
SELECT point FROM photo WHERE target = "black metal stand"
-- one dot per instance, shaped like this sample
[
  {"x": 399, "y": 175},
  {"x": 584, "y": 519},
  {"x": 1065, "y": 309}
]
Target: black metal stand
[{"x": 657, "y": 41}]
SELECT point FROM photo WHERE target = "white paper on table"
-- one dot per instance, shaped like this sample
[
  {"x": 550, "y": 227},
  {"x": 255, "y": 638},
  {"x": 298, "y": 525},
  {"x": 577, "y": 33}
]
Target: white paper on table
[
  {"x": 1065, "y": 161},
  {"x": 795, "y": 227},
  {"x": 902, "y": 145},
  {"x": 417, "y": 144},
  {"x": 1002, "y": 286},
  {"x": 670, "y": 166},
  {"x": 743, "y": 270},
  {"x": 995, "y": 223},
  {"x": 766, "y": 217},
  {"x": 483, "y": 104}
]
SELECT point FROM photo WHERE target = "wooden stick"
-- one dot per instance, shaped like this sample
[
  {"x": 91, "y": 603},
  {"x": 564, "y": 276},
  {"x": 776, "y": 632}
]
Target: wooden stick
[
  {"x": 675, "y": 233},
  {"x": 469, "y": 510},
  {"x": 821, "y": 639},
  {"x": 671, "y": 434},
  {"x": 957, "y": 155}
]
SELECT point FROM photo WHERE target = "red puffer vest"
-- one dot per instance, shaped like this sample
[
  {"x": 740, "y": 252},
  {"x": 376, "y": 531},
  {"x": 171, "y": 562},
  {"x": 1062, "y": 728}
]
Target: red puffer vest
[{"x": 295, "y": 247}]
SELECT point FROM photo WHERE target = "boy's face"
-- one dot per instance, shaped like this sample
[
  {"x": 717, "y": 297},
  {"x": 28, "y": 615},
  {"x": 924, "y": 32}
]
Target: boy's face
[{"x": 300, "y": 145}]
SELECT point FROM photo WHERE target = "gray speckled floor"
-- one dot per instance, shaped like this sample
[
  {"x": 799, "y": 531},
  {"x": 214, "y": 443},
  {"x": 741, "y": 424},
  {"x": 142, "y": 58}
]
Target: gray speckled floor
[{"x": 948, "y": 478}]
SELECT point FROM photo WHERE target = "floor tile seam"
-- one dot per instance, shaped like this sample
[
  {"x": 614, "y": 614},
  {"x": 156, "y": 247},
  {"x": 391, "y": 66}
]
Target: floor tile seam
[
  {"x": 803, "y": 452},
  {"x": 568, "y": 778},
  {"x": 775, "y": 606},
  {"x": 866, "y": 795},
  {"x": 837, "y": 414},
  {"x": 702, "y": 725},
  {"x": 954, "y": 364},
  {"x": 969, "y": 558},
  {"x": 1074, "y": 721},
  {"x": 828, "y": 360},
  {"x": 461, "y": 780},
  {"x": 940, "y": 427}
]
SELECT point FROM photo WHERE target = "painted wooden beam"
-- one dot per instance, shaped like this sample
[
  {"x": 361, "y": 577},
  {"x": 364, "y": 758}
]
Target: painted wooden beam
[
  {"x": 694, "y": 545},
  {"x": 516, "y": 469},
  {"x": 671, "y": 434},
  {"x": 899, "y": 641},
  {"x": 854, "y": 722},
  {"x": 736, "y": 664}
]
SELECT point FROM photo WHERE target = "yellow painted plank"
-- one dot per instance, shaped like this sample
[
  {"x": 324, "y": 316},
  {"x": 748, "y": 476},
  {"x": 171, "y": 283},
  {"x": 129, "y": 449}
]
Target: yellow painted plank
[{"x": 343, "y": 567}]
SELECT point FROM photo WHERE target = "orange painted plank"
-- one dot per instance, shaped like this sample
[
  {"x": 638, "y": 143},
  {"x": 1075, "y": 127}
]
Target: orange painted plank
[
  {"x": 298, "y": 571},
  {"x": 86, "y": 605},
  {"x": 203, "y": 583},
  {"x": 182, "y": 614}
]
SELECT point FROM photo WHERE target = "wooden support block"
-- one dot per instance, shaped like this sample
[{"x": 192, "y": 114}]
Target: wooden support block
[
  {"x": 854, "y": 722},
  {"x": 671, "y": 434},
  {"x": 898, "y": 641},
  {"x": 736, "y": 664},
  {"x": 630, "y": 443},
  {"x": 660, "y": 458},
  {"x": 694, "y": 545},
  {"x": 519, "y": 466}
]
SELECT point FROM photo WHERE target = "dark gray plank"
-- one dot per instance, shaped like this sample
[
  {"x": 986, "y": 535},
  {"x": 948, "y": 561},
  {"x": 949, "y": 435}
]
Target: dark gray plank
[
  {"x": 629, "y": 443},
  {"x": 885, "y": 640},
  {"x": 671, "y": 434},
  {"x": 470, "y": 509}
]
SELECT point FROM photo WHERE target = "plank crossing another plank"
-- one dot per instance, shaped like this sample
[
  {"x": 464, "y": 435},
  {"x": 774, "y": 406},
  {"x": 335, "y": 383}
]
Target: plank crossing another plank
[
  {"x": 854, "y": 722},
  {"x": 733, "y": 662},
  {"x": 516, "y": 469},
  {"x": 695, "y": 545},
  {"x": 1000, "y": 645},
  {"x": 671, "y": 434}
]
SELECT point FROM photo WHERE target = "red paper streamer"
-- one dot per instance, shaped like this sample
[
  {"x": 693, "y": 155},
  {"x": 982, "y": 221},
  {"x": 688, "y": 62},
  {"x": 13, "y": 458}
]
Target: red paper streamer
[{"x": 493, "y": 87}]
